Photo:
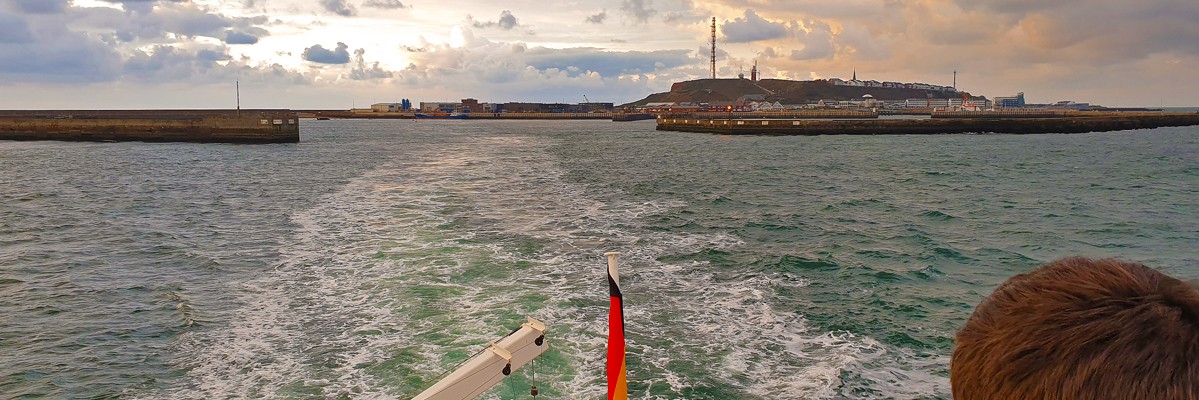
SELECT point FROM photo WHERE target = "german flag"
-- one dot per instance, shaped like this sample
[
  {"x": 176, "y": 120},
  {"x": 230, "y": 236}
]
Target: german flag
[{"x": 618, "y": 387}]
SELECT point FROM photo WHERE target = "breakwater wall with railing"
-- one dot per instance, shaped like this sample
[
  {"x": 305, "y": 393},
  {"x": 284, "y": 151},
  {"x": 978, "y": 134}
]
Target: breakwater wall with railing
[
  {"x": 202, "y": 126},
  {"x": 597, "y": 115},
  {"x": 790, "y": 114},
  {"x": 475, "y": 115},
  {"x": 1069, "y": 124},
  {"x": 1014, "y": 113}
]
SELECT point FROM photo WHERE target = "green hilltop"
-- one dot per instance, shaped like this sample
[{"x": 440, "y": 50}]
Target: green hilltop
[{"x": 783, "y": 91}]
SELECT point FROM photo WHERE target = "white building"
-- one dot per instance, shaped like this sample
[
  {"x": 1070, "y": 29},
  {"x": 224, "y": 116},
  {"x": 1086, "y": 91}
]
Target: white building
[
  {"x": 387, "y": 107},
  {"x": 434, "y": 106}
]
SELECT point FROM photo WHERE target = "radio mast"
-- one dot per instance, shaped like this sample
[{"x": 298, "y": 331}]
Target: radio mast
[{"x": 713, "y": 47}]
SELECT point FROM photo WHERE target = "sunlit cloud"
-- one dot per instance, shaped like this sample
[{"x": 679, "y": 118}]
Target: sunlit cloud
[{"x": 620, "y": 50}]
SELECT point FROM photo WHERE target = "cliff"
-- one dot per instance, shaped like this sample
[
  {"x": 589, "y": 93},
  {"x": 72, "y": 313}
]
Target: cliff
[{"x": 783, "y": 91}]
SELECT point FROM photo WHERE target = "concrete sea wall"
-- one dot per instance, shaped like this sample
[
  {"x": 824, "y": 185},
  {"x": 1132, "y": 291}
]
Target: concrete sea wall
[
  {"x": 789, "y": 114},
  {"x": 203, "y": 126},
  {"x": 1071, "y": 124},
  {"x": 478, "y": 115}
]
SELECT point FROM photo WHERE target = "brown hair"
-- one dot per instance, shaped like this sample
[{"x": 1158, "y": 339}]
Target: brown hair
[{"x": 1081, "y": 329}]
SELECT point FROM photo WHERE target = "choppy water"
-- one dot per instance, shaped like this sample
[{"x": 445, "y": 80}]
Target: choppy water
[{"x": 374, "y": 255}]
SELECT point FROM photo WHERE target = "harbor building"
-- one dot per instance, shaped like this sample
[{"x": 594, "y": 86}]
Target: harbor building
[
  {"x": 1016, "y": 101},
  {"x": 438, "y": 106},
  {"x": 403, "y": 105},
  {"x": 474, "y": 106}
]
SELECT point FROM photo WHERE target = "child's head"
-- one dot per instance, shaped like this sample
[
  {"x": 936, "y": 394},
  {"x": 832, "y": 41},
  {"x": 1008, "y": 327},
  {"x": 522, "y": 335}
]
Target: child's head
[{"x": 1081, "y": 329}]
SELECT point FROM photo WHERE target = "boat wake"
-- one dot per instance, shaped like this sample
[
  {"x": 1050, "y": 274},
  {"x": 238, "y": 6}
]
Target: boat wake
[{"x": 413, "y": 266}]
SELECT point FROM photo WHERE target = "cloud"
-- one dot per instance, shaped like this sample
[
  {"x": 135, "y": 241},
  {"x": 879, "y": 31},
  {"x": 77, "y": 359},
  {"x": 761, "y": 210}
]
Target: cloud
[
  {"x": 40, "y": 6},
  {"x": 363, "y": 73},
  {"x": 817, "y": 40},
  {"x": 339, "y": 7},
  {"x": 752, "y": 28},
  {"x": 862, "y": 43},
  {"x": 598, "y": 18},
  {"x": 606, "y": 63},
  {"x": 639, "y": 10},
  {"x": 516, "y": 72},
  {"x": 199, "y": 63},
  {"x": 1051, "y": 50},
  {"x": 164, "y": 23},
  {"x": 682, "y": 13},
  {"x": 506, "y": 22},
  {"x": 235, "y": 37},
  {"x": 321, "y": 55},
  {"x": 14, "y": 30},
  {"x": 384, "y": 4},
  {"x": 149, "y": 42}
]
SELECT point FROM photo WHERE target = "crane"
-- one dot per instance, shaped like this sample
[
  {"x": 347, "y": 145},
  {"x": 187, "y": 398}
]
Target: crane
[{"x": 585, "y": 100}]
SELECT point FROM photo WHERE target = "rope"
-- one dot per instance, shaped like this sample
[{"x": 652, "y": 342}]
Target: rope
[
  {"x": 533, "y": 367},
  {"x": 451, "y": 369}
]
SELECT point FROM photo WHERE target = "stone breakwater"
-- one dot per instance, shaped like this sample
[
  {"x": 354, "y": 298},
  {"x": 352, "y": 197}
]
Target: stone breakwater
[
  {"x": 201, "y": 126},
  {"x": 1066, "y": 124},
  {"x": 476, "y": 115}
]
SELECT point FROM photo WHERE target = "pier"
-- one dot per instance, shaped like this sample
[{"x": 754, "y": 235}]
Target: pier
[
  {"x": 201, "y": 126},
  {"x": 473, "y": 115},
  {"x": 1076, "y": 123},
  {"x": 788, "y": 114}
]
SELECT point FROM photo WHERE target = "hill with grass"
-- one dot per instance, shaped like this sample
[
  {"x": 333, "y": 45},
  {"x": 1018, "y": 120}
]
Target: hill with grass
[{"x": 783, "y": 91}]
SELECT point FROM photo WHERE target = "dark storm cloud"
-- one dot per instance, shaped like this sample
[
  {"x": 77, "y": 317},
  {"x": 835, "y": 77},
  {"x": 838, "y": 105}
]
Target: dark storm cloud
[
  {"x": 339, "y": 7},
  {"x": 752, "y": 28},
  {"x": 319, "y": 54},
  {"x": 384, "y": 4},
  {"x": 506, "y": 22}
]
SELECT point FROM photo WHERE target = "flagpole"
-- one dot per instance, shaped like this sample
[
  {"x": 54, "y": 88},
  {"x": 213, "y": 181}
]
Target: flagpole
[{"x": 617, "y": 369}]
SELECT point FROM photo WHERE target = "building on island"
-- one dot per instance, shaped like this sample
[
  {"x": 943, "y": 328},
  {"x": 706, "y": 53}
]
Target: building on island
[
  {"x": 403, "y": 105},
  {"x": 474, "y": 106},
  {"x": 438, "y": 106},
  {"x": 889, "y": 84},
  {"x": 1016, "y": 101}
]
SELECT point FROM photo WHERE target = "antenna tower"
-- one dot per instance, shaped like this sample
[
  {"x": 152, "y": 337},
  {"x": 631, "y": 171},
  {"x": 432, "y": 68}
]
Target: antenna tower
[{"x": 713, "y": 47}]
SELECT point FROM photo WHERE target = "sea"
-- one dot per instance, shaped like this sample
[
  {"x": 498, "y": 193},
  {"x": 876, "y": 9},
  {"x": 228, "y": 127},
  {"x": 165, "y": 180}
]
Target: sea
[{"x": 374, "y": 256}]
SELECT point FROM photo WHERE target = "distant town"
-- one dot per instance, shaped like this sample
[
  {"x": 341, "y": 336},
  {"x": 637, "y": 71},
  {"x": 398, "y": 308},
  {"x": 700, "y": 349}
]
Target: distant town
[{"x": 746, "y": 95}]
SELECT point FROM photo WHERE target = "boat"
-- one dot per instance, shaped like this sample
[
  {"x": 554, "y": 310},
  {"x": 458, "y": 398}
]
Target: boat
[
  {"x": 488, "y": 367},
  {"x": 629, "y": 117},
  {"x": 455, "y": 115},
  {"x": 500, "y": 359}
]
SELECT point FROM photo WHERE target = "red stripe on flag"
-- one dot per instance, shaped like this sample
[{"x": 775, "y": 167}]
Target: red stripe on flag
[{"x": 617, "y": 384}]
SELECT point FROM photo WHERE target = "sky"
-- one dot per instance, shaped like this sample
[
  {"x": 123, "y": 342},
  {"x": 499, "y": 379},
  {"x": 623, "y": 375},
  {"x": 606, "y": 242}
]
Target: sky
[{"x": 338, "y": 54}]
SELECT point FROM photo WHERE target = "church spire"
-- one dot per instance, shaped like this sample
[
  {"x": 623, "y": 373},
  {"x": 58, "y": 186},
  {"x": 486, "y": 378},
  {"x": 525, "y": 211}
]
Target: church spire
[{"x": 855, "y": 74}]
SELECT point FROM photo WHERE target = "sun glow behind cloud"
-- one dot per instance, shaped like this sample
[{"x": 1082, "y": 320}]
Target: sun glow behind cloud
[{"x": 615, "y": 50}]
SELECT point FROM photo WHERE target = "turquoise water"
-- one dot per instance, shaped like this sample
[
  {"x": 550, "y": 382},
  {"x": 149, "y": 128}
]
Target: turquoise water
[{"x": 366, "y": 260}]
